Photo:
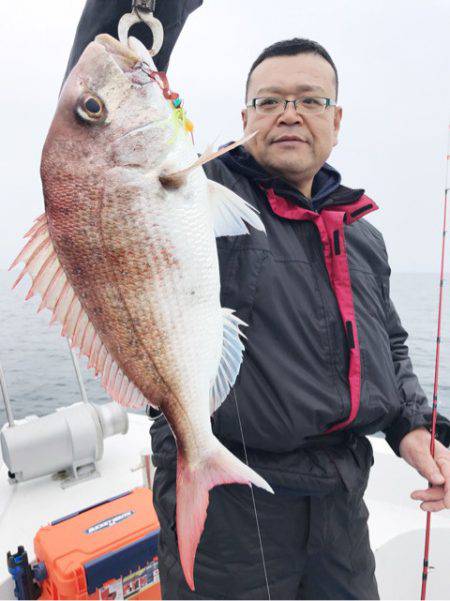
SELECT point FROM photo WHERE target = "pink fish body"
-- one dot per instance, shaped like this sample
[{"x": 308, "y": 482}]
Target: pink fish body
[{"x": 125, "y": 258}]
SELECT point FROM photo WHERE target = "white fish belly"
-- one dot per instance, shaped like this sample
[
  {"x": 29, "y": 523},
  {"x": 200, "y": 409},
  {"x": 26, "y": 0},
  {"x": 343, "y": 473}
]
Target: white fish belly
[{"x": 173, "y": 237}]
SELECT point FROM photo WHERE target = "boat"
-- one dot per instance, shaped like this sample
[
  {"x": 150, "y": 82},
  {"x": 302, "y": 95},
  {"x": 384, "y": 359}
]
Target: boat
[{"x": 396, "y": 523}]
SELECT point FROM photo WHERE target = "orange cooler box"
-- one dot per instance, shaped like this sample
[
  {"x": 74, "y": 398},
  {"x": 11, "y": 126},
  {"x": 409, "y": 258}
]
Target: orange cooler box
[{"x": 106, "y": 551}]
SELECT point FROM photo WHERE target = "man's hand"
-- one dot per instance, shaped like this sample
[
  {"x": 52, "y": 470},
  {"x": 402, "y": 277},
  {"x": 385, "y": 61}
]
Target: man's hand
[{"x": 415, "y": 450}]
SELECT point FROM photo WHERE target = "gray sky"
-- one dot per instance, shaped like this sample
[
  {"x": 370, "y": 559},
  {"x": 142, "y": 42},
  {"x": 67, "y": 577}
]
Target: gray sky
[{"x": 394, "y": 69}]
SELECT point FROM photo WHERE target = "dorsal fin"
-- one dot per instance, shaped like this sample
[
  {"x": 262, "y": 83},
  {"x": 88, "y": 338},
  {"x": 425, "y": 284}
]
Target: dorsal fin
[{"x": 49, "y": 280}]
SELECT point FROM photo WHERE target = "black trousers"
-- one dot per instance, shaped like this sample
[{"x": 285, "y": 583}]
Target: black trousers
[{"x": 315, "y": 547}]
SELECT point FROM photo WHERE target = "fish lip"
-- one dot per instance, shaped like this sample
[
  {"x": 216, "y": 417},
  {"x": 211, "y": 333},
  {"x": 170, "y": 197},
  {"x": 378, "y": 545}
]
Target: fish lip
[
  {"x": 129, "y": 63},
  {"x": 136, "y": 71},
  {"x": 119, "y": 53},
  {"x": 289, "y": 138}
]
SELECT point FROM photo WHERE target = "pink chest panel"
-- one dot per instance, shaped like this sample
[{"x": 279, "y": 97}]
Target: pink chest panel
[{"x": 330, "y": 224}]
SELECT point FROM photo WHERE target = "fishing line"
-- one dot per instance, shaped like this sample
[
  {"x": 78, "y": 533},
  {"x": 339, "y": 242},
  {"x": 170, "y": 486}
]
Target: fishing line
[
  {"x": 253, "y": 499},
  {"x": 436, "y": 379}
]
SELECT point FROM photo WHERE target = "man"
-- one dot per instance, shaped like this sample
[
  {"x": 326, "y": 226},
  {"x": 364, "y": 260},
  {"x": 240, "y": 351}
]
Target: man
[{"x": 325, "y": 363}]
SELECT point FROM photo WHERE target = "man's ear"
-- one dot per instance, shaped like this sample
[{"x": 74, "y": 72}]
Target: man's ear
[
  {"x": 244, "y": 118},
  {"x": 337, "y": 123}
]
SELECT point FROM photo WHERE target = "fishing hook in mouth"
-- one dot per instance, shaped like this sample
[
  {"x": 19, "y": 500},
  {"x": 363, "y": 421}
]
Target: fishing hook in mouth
[
  {"x": 140, "y": 75},
  {"x": 158, "y": 77}
]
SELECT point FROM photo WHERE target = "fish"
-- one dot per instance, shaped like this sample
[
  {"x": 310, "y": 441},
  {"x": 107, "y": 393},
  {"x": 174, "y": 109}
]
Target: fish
[{"x": 125, "y": 258}]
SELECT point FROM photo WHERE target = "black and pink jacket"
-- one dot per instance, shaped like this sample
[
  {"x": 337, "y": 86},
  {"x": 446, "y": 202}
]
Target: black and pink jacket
[{"x": 326, "y": 350}]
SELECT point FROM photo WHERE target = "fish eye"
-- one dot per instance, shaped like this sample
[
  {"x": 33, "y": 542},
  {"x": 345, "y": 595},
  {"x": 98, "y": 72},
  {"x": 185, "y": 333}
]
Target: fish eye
[
  {"x": 91, "y": 109},
  {"x": 93, "y": 106}
]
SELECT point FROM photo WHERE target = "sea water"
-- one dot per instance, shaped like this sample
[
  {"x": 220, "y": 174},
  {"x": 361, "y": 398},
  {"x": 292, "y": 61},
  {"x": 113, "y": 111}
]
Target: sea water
[{"x": 40, "y": 375}]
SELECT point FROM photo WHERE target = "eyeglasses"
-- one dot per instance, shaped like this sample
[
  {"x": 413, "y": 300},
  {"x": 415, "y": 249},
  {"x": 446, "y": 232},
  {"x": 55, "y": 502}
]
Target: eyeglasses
[{"x": 275, "y": 105}]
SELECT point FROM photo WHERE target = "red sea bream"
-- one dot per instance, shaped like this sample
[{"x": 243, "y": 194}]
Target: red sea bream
[{"x": 125, "y": 258}]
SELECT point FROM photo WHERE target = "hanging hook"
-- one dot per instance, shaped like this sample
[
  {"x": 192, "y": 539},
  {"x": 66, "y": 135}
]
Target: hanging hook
[{"x": 142, "y": 11}]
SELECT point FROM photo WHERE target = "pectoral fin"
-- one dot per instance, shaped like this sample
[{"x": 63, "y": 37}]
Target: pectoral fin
[{"x": 230, "y": 211}]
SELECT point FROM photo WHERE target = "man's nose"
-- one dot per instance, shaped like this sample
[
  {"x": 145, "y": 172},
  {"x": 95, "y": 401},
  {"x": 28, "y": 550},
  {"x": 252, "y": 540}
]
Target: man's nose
[{"x": 290, "y": 115}]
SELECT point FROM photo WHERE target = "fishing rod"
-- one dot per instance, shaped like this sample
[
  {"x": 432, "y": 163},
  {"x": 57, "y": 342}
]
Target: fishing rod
[{"x": 436, "y": 380}]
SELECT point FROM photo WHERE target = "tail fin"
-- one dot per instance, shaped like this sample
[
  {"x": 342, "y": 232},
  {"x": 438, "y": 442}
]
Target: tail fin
[{"x": 193, "y": 484}]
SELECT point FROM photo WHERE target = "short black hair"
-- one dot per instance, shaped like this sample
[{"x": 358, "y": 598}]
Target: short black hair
[{"x": 291, "y": 48}]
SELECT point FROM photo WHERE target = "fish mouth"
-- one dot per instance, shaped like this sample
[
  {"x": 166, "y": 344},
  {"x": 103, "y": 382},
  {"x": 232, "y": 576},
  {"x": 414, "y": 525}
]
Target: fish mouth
[
  {"x": 134, "y": 63},
  {"x": 132, "y": 59},
  {"x": 124, "y": 57}
]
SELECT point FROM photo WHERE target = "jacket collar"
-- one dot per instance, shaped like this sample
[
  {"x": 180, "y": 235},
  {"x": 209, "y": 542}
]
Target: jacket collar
[
  {"x": 352, "y": 211},
  {"x": 326, "y": 189}
]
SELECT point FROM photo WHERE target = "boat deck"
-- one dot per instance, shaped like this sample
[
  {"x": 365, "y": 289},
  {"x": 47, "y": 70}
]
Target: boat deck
[{"x": 396, "y": 524}]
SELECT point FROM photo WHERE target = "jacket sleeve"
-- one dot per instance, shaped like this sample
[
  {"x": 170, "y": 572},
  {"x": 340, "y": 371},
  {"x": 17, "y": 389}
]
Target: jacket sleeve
[
  {"x": 414, "y": 410},
  {"x": 102, "y": 16}
]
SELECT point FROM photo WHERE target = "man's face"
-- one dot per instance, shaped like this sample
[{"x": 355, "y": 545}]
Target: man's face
[{"x": 312, "y": 137}]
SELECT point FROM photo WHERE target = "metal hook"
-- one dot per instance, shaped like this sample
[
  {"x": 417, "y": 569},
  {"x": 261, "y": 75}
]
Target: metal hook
[{"x": 142, "y": 11}]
